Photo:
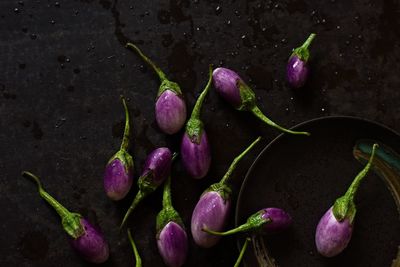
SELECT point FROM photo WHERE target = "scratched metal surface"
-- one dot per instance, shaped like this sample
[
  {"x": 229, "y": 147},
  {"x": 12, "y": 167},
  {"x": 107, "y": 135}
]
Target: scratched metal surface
[{"x": 63, "y": 66}]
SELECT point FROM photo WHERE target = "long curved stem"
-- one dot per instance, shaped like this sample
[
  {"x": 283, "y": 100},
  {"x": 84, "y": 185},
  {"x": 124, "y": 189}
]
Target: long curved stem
[
  {"x": 256, "y": 111},
  {"x": 242, "y": 251},
  {"x": 138, "y": 198},
  {"x": 234, "y": 163},
  {"x": 125, "y": 138},
  {"x": 199, "y": 103},
  {"x": 350, "y": 193},
  {"x": 135, "y": 251},
  {"x": 60, "y": 209},
  {"x": 241, "y": 228},
  {"x": 159, "y": 72}
]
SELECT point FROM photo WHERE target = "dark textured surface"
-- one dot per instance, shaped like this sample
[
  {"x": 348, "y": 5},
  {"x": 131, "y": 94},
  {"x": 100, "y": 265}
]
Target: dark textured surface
[{"x": 64, "y": 65}]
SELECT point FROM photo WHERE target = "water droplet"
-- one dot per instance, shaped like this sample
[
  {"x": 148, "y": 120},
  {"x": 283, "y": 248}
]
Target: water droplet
[
  {"x": 52, "y": 22},
  {"x": 57, "y": 4},
  {"x": 338, "y": 27},
  {"x": 21, "y": 3},
  {"x": 323, "y": 109},
  {"x": 16, "y": 10},
  {"x": 228, "y": 22},
  {"x": 218, "y": 10}
]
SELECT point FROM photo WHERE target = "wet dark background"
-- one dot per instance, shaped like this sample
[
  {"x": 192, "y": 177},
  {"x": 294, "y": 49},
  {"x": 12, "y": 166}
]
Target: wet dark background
[{"x": 64, "y": 65}]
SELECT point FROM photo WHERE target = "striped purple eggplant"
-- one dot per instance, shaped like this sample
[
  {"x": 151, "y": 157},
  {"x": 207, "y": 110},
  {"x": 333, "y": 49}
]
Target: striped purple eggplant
[{"x": 86, "y": 240}]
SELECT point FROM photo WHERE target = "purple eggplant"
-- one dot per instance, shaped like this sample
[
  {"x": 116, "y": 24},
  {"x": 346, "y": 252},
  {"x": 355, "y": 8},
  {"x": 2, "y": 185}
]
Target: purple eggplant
[
  {"x": 138, "y": 260},
  {"x": 265, "y": 221},
  {"x": 195, "y": 148},
  {"x": 118, "y": 175},
  {"x": 236, "y": 92},
  {"x": 156, "y": 169},
  {"x": 87, "y": 241},
  {"x": 335, "y": 228},
  {"x": 212, "y": 209},
  {"x": 170, "y": 110},
  {"x": 171, "y": 237},
  {"x": 297, "y": 67},
  {"x": 242, "y": 251}
]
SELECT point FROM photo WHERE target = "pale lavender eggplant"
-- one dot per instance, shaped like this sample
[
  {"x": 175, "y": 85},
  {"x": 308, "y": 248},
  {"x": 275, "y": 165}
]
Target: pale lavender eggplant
[
  {"x": 118, "y": 175},
  {"x": 195, "y": 148},
  {"x": 171, "y": 236},
  {"x": 265, "y": 221},
  {"x": 170, "y": 109},
  {"x": 226, "y": 84},
  {"x": 236, "y": 92},
  {"x": 155, "y": 170},
  {"x": 172, "y": 244},
  {"x": 213, "y": 207},
  {"x": 91, "y": 245},
  {"x": 297, "y": 68},
  {"x": 170, "y": 112},
  {"x": 335, "y": 228},
  {"x": 196, "y": 157},
  {"x": 211, "y": 212},
  {"x": 332, "y": 236},
  {"x": 85, "y": 239}
]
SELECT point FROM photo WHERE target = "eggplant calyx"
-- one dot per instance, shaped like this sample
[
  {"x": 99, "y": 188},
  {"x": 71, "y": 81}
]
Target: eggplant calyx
[
  {"x": 165, "y": 216},
  {"x": 221, "y": 188},
  {"x": 247, "y": 96},
  {"x": 302, "y": 51},
  {"x": 169, "y": 85},
  {"x": 194, "y": 129}
]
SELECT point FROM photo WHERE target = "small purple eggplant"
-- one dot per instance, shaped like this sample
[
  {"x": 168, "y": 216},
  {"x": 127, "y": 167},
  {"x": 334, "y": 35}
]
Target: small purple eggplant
[
  {"x": 195, "y": 149},
  {"x": 265, "y": 221},
  {"x": 156, "y": 169},
  {"x": 297, "y": 68},
  {"x": 138, "y": 260},
  {"x": 236, "y": 92},
  {"x": 118, "y": 175},
  {"x": 85, "y": 239},
  {"x": 170, "y": 109},
  {"x": 242, "y": 251},
  {"x": 171, "y": 237},
  {"x": 212, "y": 209},
  {"x": 335, "y": 228}
]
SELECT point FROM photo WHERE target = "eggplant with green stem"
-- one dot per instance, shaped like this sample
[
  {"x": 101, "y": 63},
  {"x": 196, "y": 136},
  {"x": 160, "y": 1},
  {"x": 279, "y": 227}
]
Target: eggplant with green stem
[
  {"x": 335, "y": 228},
  {"x": 171, "y": 237},
  {"x": 212, "y": 209},
  {"x": 156, "y": 169},
  {"x": 118, "y": 175},
  {"x": 170, "y": 109},
  {"x": 236, "y": 92},
  {"x": 195, "y": 148},
  {"x": 86, "y": 240}
]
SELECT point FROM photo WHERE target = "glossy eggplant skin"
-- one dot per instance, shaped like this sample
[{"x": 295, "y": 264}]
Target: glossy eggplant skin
[
  {"x": 91, "y": 245},
  {"x": 296, "y": 72},
  {"x": 118, "y": 179},
  {"x": 170, "y": 112},
  {"x": 196, "y": 157},
  {"x": 172, "y": 244},
  {"x": 226, "y": 84},
  {"x": 332, "y": 236},
  {"x": 158, "y": 162},
  {"x": 211, "y": 212}
]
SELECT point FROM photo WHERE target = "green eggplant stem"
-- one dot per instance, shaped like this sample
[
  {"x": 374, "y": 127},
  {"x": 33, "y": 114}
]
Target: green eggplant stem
[
  {"x": 345, "y": 206},
  {"x": 307, "y": 43},
  {"x": 125, "y": 139},
  {"x": 135, "y": 251},
  {"x": 234, "y": 163},
  {"x": 242, "y": 251},
  {"x": 241, "y": 228},
  {"x": 159, "y": 72},
  {"x": 167, "y": 202},
  {"x": 197, "y": 107},
  {"x": 71, "y": 221},
  {"x": 138, "y": 198},
  {"x": 256, "y": 111}
]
